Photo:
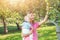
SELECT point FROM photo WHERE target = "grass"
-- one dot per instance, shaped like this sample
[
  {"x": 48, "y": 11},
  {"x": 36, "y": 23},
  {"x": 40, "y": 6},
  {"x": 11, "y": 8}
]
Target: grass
[
  {"x": 47, "y": 33},
  {"x": 44, "y": 33}
]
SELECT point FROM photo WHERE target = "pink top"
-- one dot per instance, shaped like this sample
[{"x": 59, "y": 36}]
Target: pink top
[
  {"x": 35, "y": 26},
  {"x": 35, "y": 36}
]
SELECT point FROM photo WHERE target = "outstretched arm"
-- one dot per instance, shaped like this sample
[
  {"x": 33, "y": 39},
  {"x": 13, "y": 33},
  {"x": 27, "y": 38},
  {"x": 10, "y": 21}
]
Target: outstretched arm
[
  {"x": 46, "y": 16},
  {"x": 44, "y": 20}
]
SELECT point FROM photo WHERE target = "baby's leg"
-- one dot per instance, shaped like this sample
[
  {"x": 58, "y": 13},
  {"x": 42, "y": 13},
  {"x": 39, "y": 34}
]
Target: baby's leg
[
  {"x": 31, "y": 37},
  {"x": 23, "y": 38}
]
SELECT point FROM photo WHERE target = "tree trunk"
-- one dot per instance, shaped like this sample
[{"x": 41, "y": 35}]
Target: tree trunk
[
  {"x": 57, "y": 28},
  {"x": 58, "y": 31},
  {"x": 5, "y": 27},
  {"x": 18, "y": 27}
]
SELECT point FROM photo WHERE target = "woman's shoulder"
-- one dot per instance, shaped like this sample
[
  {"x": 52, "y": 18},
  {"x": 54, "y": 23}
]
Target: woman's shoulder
[{"x": 36, "y": 22}]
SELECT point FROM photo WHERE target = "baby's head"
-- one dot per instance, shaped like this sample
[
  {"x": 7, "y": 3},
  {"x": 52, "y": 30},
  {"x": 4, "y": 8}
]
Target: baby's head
[
  {"x": 26, "y": 18},
  {"x": 29, "y": 17}
]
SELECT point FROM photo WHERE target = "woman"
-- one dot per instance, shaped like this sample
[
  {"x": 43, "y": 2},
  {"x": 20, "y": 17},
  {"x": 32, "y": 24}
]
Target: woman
[{"x": 35, "y": 25}]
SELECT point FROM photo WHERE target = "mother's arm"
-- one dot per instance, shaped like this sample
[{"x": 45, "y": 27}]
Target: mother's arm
[{"x": 44, "y": 20}]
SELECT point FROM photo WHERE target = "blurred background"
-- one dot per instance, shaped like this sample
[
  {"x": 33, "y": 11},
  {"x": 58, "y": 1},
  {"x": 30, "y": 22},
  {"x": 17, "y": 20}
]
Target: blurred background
[{"x": 12, "y": 13}]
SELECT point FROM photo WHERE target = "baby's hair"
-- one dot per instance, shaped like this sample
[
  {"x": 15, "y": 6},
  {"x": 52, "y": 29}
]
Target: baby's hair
[{"x": 26, "y": 18}]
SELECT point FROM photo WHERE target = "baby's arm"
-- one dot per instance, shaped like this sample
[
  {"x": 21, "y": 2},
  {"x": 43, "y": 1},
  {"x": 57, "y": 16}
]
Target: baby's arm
[
  {"x": 31, "y": 31},
  {"x": 24, "y": 35}
]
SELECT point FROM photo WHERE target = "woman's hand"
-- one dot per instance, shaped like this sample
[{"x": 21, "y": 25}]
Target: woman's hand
[{"x": 25, "y": 35}]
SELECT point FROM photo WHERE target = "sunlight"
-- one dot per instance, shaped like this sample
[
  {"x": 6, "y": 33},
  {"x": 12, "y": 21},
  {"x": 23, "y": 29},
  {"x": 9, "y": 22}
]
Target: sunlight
[{"x": 12, "y": 2}]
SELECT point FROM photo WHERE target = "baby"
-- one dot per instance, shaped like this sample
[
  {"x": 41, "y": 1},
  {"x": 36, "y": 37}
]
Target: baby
[{"x": 27, "y": 29}]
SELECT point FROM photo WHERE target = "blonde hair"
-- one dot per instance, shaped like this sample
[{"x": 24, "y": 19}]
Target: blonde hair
[{"x": 27, "y": 17}]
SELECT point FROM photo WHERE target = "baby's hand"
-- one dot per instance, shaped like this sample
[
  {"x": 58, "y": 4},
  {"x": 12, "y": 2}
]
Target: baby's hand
[{"x": 25, "y": 35}]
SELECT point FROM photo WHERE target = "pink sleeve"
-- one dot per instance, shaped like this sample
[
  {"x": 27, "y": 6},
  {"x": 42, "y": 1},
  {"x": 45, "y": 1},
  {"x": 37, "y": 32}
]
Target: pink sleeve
[{"x": 36, "y": 25}]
